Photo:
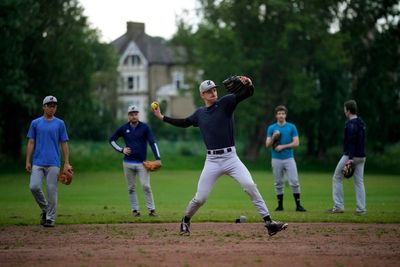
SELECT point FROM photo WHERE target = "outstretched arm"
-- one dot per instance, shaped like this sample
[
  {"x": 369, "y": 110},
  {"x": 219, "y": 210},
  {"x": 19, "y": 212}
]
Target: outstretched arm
[{"x": 184, "y": 123}]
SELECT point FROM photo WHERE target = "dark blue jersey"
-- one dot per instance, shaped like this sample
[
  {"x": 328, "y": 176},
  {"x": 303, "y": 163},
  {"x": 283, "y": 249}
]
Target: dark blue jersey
[
  {"x": 354, "y": 138},
  {"x": 136, "y": 139},
  {"x": 216, "y": 122}
]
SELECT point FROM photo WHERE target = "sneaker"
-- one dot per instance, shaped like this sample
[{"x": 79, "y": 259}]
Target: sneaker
[
  {"x": 279, "y": 208},
  {"x": 43, "y": 218},
  {"x": 153, "y": 213},
  {"x": 135, "y": 213},
  {"x": 300, "y": 208},
  {"x": 359, "y": 213},
  {"x": 335, "y": 210},
  {"x": 185, "y": 228},
  {"x": 274, "y": 227},
  {"x": 49, "y": 223}
]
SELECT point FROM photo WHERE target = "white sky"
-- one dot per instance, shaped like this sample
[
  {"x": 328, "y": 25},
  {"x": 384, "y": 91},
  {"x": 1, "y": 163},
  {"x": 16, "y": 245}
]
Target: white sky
[{"x": 159, "y": 16}]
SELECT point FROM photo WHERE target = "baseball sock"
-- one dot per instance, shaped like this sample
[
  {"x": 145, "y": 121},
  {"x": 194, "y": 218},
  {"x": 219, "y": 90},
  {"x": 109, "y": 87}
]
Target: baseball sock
[
  {"x": 186, "y": 219},
  {"x": 297, "y": 199},
  {"x": 267, "y": 218},
  {"x": 280, "y": 200}
]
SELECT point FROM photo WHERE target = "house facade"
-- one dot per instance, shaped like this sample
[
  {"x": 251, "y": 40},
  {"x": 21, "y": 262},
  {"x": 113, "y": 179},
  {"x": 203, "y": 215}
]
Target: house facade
[{"x": 149, "y": 71}]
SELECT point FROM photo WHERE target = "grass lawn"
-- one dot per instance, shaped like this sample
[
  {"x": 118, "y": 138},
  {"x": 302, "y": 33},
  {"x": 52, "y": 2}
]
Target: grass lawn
[{"x": 101, "y": 197}]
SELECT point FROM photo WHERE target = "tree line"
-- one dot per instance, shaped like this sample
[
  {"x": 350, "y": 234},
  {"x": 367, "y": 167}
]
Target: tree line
[
  {"x": 308, "y": 55},
  {"x": 48, "y": 48}
]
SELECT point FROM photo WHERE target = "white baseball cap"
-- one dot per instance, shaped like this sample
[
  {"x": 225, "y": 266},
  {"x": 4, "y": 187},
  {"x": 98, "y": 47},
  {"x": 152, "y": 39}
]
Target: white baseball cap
[
  {"x": 133, "y": 108},
  {"x": 207, "y": 85},
  {"x": 49, "y": 99}
]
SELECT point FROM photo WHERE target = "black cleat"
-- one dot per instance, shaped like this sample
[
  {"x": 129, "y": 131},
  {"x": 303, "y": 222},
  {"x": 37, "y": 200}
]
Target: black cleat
[
  {"x": 153, "y": 213},
  {"x": 185, "y": 228},
  {"x": 335, "y": 210},
  {"x": 300, "y": 208},
  {"x": 279, "y": 208},
  {"x": 135, "y": 213},
  {"x": 49, "y": 223},
  {"x": 274, "y": 227}
]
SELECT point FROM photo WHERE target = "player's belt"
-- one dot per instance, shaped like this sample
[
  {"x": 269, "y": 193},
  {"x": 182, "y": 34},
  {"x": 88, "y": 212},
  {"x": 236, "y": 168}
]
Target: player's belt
[{"x": 219, "y": 151}]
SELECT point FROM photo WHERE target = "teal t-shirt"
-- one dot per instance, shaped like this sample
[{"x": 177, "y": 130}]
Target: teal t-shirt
[
  {"x": 48, "y": 134},
  {"x": 288, "y": 131}
]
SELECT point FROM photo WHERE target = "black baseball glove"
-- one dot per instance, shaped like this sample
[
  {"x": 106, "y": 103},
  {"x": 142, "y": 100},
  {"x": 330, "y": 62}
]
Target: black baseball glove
[
  {"x": 275, "y": 139},
  {"x": 236, "y": 84},
  {"x": 348, "y": 170}
]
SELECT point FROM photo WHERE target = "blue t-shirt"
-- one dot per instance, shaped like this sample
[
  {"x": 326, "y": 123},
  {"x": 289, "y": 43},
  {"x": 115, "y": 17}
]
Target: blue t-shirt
[
  {"x": 47, "y": 134},
  {"x": 288, "y": 131}
]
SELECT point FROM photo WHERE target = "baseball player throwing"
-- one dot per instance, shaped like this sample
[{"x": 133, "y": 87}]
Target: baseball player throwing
[{"x": 215, "y": 120}]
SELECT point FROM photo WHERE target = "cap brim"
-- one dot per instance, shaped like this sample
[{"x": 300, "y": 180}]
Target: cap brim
[{"x": 216, "y": 86}]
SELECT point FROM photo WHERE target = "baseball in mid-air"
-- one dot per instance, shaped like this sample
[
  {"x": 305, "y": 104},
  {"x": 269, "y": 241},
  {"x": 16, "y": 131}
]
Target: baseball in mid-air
[{"x": 154, "y": 105}]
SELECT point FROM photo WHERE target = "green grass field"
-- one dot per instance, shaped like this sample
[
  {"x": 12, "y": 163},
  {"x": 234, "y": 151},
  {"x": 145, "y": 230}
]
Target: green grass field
[{"x": 101, "y": 197}]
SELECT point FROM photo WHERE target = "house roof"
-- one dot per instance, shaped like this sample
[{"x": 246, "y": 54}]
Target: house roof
[{"x": 155, "y": 51}]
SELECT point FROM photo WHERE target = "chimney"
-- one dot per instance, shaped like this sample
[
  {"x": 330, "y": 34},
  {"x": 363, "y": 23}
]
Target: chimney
[{"x": 133, "y": 29}]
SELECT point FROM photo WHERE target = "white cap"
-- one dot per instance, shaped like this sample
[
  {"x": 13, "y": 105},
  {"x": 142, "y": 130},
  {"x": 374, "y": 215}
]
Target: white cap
[
  {"x": 49, "y": 99},
  {"x": 133, "y": 108},
  {"x": 207, "y": 85}
]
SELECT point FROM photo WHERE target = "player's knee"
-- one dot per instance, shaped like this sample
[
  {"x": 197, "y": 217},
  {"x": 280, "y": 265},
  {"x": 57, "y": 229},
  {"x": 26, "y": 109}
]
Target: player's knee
[
  {"x": 200, "y": 199},
  {"x": 250, "y": 188},
  {"x": 34, "y": 188},
  {"x": 131, "y": 190},
  {"x": 146, "y": 189}
]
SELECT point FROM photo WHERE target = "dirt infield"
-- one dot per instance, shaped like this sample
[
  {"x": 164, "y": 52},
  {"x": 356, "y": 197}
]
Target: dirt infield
[{"x": 211, "y": 244}]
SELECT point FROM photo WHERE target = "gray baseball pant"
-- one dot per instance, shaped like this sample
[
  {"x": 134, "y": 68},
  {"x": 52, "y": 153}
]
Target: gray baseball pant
[
  {"x": 280, "y": 167},
  {"x": 50, "y": 173},
  {"x": 358, "y": 178},
  {"x": 229, "y": 164},
  {"x": 131, "y": 171}
]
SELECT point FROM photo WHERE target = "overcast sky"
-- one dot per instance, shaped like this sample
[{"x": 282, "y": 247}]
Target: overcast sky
[{"x": 159, "y": 16}]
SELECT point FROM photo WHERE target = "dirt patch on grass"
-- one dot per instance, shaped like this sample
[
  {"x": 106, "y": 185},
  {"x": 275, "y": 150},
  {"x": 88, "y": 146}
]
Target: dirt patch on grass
[{"x": 210, "y": 244}]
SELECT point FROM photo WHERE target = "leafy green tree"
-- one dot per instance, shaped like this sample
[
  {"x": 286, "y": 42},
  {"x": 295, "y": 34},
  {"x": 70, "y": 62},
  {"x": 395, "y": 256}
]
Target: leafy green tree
[
  {"x": 49, "y": 49},
  {"x": 308, "y": 55},
  {"x": 373, "y": 43},
  {"x": 279, "y": 45}
]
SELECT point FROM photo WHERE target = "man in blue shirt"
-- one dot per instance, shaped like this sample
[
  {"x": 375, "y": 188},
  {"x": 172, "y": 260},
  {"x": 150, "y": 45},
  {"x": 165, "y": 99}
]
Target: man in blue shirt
[
  {"x": 45, "y": 135},
  {"x": 354, "y": 154},
  {"x": 136, "y": 134},
  {"x": 283, "y": 137}
]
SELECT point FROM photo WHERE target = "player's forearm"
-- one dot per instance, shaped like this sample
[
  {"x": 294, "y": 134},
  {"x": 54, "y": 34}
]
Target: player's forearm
[
  {"x": 242, "y": 95},
  {"x": 65, "y": 150},
  {"x": 268, "y": 142},
  {"x": 184, "y": 123},
  {"x": 290, "y": 145},
  {"x": 29, "y": 151},
  {"x": 155, "y": 150}
]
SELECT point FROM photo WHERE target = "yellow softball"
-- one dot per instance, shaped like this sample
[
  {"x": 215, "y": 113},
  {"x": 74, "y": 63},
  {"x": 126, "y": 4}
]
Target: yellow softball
[{"x": 154, "y": 105}]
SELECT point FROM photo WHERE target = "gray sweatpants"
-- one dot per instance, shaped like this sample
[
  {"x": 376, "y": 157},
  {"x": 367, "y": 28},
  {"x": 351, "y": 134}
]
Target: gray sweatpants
[
  {"x": 229, "y": 164},
  {"x": 358, "y": 178},
  {"x": 48, "y": 205},
  {"x": 131, "y": 171},
  {"x": 280, "y": 167}
]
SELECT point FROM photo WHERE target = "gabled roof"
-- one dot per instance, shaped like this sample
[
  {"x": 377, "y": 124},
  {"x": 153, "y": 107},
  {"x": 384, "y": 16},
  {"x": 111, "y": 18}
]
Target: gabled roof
[{"x": 155, "y": 51}]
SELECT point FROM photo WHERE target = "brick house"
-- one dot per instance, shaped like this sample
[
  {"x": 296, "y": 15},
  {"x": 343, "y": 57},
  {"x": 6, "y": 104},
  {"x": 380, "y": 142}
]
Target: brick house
[{"x": 150, "y": 70}]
